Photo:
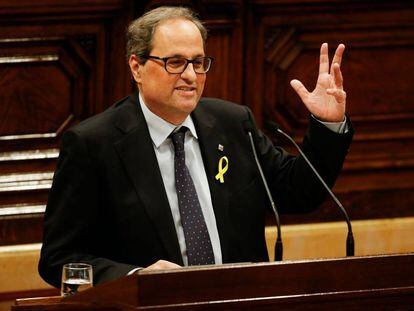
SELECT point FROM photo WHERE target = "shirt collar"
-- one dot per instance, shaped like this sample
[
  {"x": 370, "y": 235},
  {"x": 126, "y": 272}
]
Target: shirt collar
[{"x": 160, "y": 129}]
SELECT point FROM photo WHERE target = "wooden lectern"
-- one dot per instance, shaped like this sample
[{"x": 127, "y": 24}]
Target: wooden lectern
[{"x": 382, "y": 282}]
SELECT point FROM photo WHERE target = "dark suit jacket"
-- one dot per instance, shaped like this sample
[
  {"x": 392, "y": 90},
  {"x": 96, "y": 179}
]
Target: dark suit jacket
[{"x": 108, "y": 205}]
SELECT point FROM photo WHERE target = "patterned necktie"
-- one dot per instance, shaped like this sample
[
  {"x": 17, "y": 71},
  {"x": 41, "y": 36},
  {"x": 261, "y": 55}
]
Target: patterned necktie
[{"x": 197, "y": 239}]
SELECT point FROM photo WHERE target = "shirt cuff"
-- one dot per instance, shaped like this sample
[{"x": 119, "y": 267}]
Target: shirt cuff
[
  {"x": 134, "y": 270},
  {"x": 337, "y": 127}
]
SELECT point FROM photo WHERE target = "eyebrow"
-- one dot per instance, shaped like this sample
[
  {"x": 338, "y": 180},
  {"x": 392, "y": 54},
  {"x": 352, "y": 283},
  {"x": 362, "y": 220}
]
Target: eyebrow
[{"x": 182, "y": 56}]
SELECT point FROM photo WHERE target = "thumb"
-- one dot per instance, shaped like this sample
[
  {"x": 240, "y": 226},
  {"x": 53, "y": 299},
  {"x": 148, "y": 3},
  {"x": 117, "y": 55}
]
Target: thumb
[{"x": 300, "y": 89}]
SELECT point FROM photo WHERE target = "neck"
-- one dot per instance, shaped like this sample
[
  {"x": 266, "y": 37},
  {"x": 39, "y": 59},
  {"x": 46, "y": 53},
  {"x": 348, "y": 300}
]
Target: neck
[{"x": 173, "y": 117}]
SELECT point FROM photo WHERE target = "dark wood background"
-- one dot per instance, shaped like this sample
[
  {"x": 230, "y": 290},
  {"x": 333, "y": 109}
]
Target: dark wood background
[{"x": 63, "y": 61}]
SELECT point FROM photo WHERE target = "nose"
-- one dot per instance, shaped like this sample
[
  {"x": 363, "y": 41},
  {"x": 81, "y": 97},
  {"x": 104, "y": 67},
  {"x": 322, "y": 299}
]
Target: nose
[{"x": 189, "y": 74}]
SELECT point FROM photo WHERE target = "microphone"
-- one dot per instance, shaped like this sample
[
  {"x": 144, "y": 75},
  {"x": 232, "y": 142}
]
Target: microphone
[
  {"x": 350, "y": 247},
  {"x": 278, "y": 245}
]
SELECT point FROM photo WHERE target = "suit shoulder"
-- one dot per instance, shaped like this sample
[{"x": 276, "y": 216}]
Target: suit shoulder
[{"x": 104, "y": 121}]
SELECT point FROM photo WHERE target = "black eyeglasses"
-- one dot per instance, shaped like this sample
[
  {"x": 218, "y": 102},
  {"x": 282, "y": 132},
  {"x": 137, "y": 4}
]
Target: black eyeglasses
[{"x": 177, "y": 64}]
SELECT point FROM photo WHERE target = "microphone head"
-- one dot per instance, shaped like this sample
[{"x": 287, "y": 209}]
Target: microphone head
[
  {"x": 272, "y": 126},
  {"x": 248, "y": 126}
]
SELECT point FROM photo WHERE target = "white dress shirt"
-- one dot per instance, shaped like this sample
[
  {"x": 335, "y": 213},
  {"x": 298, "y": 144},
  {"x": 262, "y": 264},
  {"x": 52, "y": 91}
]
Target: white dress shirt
[{"x": 159, "y": 130}]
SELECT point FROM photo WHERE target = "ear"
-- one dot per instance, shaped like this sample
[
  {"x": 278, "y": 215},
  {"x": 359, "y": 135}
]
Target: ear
[{"x": 136, "y": 67}]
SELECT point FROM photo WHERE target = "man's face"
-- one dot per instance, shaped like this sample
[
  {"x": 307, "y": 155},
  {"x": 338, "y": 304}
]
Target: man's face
[{"x": 171, "y": 96}]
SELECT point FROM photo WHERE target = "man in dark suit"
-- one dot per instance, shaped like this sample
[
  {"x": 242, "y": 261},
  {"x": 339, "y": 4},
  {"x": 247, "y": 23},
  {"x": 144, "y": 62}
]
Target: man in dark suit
[{"x": 117, "y": 197}]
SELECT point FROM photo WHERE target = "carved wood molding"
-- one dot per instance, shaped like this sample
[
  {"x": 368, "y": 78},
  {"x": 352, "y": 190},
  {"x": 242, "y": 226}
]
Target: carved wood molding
[
  {"x": 375, "y": 69},
  {"x": 60, "y": 62},
  {"x": 378, "y": 176},
  {"x": 22, "y": 209},
  {"x": 41, "y": 79}
]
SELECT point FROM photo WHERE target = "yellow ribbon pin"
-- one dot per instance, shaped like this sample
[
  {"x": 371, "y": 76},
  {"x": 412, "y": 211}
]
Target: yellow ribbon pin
[{"x": 222, "y": 170}]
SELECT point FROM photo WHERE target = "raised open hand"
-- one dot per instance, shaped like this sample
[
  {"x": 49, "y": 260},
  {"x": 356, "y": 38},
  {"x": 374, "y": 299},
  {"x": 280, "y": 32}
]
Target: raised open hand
[{"x": 328, "y": 100}]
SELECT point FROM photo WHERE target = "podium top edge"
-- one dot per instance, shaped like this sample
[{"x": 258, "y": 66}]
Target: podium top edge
[{"x": 243, "y": 265}]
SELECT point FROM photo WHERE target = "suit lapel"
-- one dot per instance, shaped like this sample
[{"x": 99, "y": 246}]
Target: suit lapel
[
  {"x": 138, "y": 156},
  {"x": 209, "y": 140}
]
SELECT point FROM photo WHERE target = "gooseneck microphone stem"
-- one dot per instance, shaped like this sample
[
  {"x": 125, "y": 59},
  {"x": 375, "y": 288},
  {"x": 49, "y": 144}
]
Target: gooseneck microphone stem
[
  {"x": 279, "y": 244},
  {"x": 350, "y": 245}
]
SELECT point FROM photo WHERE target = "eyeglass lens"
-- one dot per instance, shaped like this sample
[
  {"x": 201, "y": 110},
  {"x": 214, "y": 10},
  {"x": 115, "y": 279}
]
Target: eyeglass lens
[{"x": 178, "y": 64}]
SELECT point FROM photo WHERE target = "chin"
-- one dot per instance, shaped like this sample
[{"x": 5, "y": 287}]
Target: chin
[{"x": 188, "y": 105}]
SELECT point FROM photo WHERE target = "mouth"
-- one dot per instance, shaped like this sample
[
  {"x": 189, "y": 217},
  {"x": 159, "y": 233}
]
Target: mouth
[{"x": 186, "y": 89}]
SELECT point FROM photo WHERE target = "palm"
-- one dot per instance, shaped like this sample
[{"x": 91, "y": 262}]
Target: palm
[{"x": 327, "y": 101}]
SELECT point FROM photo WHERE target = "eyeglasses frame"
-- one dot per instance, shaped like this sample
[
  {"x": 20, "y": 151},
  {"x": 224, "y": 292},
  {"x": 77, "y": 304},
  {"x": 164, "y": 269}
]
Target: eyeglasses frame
[{"x": 189, "y": 61}]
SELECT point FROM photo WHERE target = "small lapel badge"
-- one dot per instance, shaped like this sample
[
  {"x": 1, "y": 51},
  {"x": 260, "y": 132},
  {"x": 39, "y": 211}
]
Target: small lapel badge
[
  {"x": 222, "y": 169},
  {"x": 220, "y": 147}
]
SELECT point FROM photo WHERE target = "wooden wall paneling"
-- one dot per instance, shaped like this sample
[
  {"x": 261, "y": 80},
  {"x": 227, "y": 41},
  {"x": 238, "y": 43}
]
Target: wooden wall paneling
[
  {"x": 62, "y": 63},
  {"x": 226, "y": 77},
  {"x": 59, "y": 64},
  {"x": 254, "y": 80},
  {"x": 224, "y": 19},
  {"x": 73, "y": 53},
  {"x": 378, "y": 179}
]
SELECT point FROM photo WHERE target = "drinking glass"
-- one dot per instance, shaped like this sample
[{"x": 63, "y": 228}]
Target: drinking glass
[{"x": 76, "y": 277}]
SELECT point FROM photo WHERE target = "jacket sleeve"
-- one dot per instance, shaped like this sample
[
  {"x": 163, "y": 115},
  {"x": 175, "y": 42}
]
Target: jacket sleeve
[
  {"x": 293, "y": 184},
  {"x": 72, "y": 216}
]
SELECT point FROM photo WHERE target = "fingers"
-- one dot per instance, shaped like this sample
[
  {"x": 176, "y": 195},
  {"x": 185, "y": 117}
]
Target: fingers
[
  {"x": 337, "y": 91},
  {"x": 161, "y": 265},
  {"x": 338, "y": 55},
  {"x": 339, "y": 94},
  {"x": 337, "y": 75},
  {"x": 300, "y": 89},
  {"x": 324, "y": 59}
]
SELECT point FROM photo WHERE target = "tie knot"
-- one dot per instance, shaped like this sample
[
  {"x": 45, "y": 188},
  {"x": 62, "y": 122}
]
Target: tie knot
[{"x": 178, "y": 139}]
